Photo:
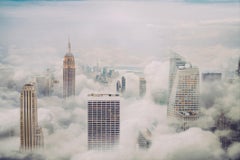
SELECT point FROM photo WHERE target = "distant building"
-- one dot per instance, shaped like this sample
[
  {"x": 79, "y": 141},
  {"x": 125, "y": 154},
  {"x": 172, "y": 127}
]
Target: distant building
[
  {"x": 46, "y": 84},
  {"x": 68, "y": 74},
  {"x": 104, "y": 71},
  {"x": 210, "y": 77},
  {"x": 43, "y": 85},
  {"x": 183, "y": 90},
  {"x": 142, "y": 87},
  {"x": 103, "y": 121},
  {"x": 123, "y": 84},
  {"x": 145, "y": 139},
  {"x": 118, "y": 86},
  {"x": 145, "y": 136},
  {"x": 31, "y": 135}
]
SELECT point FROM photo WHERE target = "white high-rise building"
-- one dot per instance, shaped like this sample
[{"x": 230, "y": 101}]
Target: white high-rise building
[
  {"x": 103, "y": 121},
  {"x": 183, "y": 90}
]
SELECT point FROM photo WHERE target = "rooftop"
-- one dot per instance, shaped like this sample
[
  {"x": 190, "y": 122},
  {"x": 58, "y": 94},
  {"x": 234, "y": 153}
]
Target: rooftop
[{"x": 102, "y": 95}]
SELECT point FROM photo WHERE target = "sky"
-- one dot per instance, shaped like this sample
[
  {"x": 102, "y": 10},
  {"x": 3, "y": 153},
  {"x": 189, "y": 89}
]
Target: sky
[{"x": 34, "y": 37}]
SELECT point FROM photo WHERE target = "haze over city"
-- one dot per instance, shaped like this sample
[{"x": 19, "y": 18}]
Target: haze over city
[{"x": 123, "y": 51}]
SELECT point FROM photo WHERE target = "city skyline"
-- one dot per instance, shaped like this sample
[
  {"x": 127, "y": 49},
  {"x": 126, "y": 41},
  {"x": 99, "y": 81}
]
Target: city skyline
[{"x": 115, "y": 45}]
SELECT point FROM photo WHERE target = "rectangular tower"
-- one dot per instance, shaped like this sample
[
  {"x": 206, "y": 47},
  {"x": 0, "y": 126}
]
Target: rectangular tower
[
  {"x": 31, "y": 136},
  {"x": 103, "y": 121},
  {"x": 176, "y": 61},
  {"x": 183, "y": 91},
  {"x": 123, "y": 84}
]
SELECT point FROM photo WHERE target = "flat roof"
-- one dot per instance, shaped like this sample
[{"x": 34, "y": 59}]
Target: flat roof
[{"x": 103, "y": 95}]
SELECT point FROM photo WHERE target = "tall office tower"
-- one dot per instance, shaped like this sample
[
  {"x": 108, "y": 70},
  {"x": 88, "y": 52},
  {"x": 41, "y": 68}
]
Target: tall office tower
[
  {"x": 103, "y": 121},
  {"x": 184, "y": 91},
  {"x": 142, "y": 87},
  {"x": 123, "y": 84},
  {"x": 210, "y": 77},
  {"x": 118, "y": 86},
  {"x": 68, "y": 74},
  {"x": 31, "y": 135}
]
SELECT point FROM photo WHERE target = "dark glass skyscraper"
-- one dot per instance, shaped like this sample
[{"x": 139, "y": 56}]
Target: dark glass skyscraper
[{"x": 123, "y": 84}]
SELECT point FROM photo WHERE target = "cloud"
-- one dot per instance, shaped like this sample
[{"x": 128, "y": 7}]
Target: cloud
[
  {"x": 233, "y": 151},
  {"x": 34, "y": 38},
  {"x": 184, "y": 146}
]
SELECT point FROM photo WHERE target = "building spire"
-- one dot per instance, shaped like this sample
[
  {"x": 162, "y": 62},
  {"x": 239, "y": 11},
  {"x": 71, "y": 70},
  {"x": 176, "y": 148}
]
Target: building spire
[{"x": 69, "y": 45}]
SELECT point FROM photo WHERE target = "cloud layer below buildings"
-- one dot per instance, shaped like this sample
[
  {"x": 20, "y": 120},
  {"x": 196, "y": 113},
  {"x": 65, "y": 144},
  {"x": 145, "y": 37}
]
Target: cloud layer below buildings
[{"x": 34, "y": 36}]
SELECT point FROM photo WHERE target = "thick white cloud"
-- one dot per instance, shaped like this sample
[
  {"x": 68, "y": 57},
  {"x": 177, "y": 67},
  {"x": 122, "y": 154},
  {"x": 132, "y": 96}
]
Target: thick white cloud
[{"x": 191, "y": 144}]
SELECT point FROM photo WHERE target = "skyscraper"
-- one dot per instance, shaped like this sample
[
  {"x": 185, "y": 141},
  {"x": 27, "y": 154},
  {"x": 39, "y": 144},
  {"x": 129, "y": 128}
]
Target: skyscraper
[
  {"x": 103, "y": 121},
  {"x": 118, "y": 86},
  {"x": 68, "y": 74},
  {"x": 31, "y": 135},
  {"x": 183, "y": 90},
  {"x": 142, "y": 87},
  {"x": 210, "y": 77},
  {"x": 123, "y": 84}
]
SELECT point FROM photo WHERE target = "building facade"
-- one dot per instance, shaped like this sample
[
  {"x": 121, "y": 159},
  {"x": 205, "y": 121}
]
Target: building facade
[
  {"x": 118, "y": 86},
  {"x": 175, "y": 62},
  {"x": 123, "y": 84},
  {"x": 103, "y": 121},
  {"x": 31, "y": 135},
  {"x": 144, "y": 139},
  {"x": 142, "y": 87},
  {"x": 183, "y": 90},
  {"x": 69, "y": 74}
]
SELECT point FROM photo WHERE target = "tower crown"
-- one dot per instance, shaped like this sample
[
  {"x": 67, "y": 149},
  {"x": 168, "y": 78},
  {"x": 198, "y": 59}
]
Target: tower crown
[
  {"x": 69, "y": 51},
  {"x": 69, "y": 61}
]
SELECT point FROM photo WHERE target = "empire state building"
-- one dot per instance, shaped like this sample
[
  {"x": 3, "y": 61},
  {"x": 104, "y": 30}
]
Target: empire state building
[{"x": 68, "y": 73}]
